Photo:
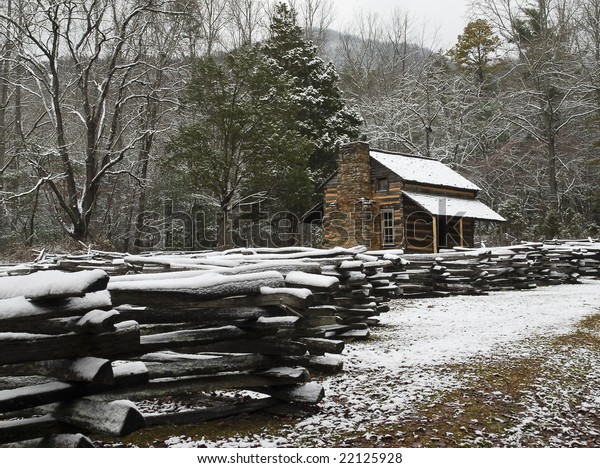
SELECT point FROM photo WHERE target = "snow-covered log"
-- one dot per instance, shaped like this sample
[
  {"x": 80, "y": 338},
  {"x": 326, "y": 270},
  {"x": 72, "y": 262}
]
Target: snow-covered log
[
  {"x": 46, "y": 285},
  {"x": 206, "y": 286},
  {"x": 19, "y": 309},
  {"x": 311, "y": 281},
  {"x": 85, "y": 369},
  {"x": 117, "y": 418}
]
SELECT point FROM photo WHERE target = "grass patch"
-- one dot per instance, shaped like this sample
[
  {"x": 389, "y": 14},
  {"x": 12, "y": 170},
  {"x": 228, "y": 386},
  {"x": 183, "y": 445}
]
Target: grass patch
[
  {"x": 497, "y": 392},
  {"x": 245, "y": 425}
]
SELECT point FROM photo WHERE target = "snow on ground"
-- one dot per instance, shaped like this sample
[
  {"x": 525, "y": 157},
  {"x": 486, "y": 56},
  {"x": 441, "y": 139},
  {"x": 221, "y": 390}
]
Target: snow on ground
[{"x": 402, "y": 365}]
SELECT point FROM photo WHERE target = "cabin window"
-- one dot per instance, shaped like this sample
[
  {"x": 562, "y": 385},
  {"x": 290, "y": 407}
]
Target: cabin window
[
  {"x": 382, "y": 184},
  {"x": 387, "y": 226}
]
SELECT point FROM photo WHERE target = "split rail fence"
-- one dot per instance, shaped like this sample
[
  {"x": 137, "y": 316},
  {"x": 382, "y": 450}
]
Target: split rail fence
[{"x": 82, "y": 337}]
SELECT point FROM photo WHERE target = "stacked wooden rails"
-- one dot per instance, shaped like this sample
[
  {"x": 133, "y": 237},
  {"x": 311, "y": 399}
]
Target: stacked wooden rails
[
  {"x": 58, "y": 336},
  {"x": 476, "y": 271},
  {"x": 214, "y": 324}
]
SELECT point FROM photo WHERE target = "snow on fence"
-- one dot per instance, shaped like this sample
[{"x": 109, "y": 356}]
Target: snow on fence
[
  {"x": 164, "y": 324},
  {"x": 259, "y": 322}
]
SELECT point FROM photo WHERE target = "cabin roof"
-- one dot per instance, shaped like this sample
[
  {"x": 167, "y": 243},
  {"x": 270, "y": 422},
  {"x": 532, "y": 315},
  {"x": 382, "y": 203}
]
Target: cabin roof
[
  {"x": 445, "y": 205},
  {"x": 422, "y": 170}
]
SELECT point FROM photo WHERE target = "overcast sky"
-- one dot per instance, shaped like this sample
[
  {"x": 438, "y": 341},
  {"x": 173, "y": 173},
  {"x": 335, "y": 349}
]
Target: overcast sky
[{"x": 448, "y": 17}]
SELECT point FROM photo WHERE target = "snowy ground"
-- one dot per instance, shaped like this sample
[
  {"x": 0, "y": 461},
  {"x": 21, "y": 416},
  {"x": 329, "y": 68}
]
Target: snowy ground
[{"x": 425, "y": 367}]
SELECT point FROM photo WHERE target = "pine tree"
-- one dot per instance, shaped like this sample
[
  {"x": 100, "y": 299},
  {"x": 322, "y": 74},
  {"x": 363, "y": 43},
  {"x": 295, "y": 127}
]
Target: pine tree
[
  {"x": 323, "y": 115},
  {"x": 475, "y": 47},
  {"x": 242, "y": 139}
]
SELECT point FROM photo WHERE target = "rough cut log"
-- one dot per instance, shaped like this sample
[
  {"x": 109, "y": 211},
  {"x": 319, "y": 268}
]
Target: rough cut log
[
  {"x": 270, "y": 323},
  {"x": 328, "y": 364},
  {"x": 163, "y": 388},
  {"x": 267, "y": 346},
  {"x": 320, "y": 345},
  {"x": 205, "y": 286},
  {"x": 310, "y": 393},
  {"x": 45, "y": 285},
  {"x": 187, "y": 338},
  {"x": 54, "y": 441},
  {"x": 170, "y": 364},
  {"x": 85, "y": 369},
  {"x": 23, "y": 347},
  {"x": 37, "y": 395},
  {"x": 280, "y": 266},
  {"x": 215, "y": 411},
  {"x": 196, "y": 313},
  {"x": 117, "y": 418},
  {"x": 98, "y": 322},
  {"x": 22, "y": 429},
  {"x": 313, "y": 282},
  {"x": 129, "y": 373},
  {"x": 19, "y": 309},
  {"x": 298, "y": 298}
]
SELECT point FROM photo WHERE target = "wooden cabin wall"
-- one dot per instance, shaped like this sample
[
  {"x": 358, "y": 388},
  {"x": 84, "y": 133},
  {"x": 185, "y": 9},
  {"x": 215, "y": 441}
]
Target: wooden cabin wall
[
  {"x": 468, "y": 232},
  {"x": 387, "y": 200},
  {"x": 419, "y": 228}
]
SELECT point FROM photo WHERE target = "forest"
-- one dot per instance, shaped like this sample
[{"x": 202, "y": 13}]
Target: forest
[{"x": 200, "y": 124}]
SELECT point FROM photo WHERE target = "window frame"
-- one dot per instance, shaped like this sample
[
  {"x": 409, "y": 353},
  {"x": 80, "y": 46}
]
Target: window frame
[
  {"x": 379, "y": 181},
  {"x": 388, "y": 236}
]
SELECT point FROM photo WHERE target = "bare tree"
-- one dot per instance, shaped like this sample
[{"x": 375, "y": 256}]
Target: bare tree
[{"x": 82, "y": 64}]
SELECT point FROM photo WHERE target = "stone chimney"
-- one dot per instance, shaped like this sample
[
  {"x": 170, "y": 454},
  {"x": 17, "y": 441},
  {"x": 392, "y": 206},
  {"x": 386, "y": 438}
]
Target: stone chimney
[{"x": 350, "y": 221}]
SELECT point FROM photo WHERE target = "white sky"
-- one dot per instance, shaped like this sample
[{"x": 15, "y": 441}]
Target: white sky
[{"x": 447, "y": 17}]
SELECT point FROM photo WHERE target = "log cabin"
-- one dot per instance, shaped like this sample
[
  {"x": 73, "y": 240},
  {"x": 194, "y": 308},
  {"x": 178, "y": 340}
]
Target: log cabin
[{"x": 390, "y": 200}]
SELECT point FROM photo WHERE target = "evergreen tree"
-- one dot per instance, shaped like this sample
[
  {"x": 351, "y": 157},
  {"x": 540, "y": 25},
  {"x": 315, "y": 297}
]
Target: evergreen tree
[
  {"x": 323, "y": 115},
  {"x": 243, "y": 139},
  {"x": 475, "y": 47}
]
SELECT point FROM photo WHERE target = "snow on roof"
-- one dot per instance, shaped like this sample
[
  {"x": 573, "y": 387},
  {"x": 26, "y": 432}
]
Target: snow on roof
[
  {"x": 452, "y": 206},
  {"x": 422, "y": 170}
]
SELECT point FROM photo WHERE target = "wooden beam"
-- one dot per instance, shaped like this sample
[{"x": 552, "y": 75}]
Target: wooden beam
[
  {"x": 462, "y": 238},
  {"x": 435, "y": 234}
]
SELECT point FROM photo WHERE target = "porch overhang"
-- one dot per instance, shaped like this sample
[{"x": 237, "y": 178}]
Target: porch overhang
[{"x": 444, "y": 205}]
